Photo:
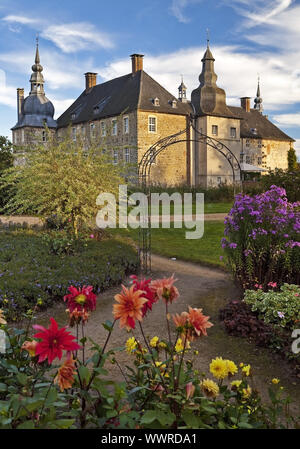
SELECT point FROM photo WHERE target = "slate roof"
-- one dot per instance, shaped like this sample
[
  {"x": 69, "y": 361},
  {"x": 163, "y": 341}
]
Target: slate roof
[
  {"x": 254, "y": 120},
  {"x": 122, "y": 95}
]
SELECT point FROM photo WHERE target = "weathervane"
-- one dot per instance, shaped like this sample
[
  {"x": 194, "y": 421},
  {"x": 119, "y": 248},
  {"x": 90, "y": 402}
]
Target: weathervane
[{"x": 207, "y": 36}]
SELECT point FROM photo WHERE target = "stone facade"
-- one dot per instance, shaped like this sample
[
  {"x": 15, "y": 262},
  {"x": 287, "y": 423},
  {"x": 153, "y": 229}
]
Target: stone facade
[{"x": 171, "y": 167}]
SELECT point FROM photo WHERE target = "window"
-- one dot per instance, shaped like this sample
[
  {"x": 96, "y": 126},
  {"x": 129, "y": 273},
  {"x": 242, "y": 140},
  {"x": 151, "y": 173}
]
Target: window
[
  {"x": 248, "y": 160},
  {"x": 174, "y": 104},
  {"x": 156, "y": 101},
  {"x": 219, "y": 180},
  {"x": 74, "y": 134},
  {"x": 247, "y": 143},
  {"x": 126, "y": 125},
  {"x": 214, "y": 130},
  {"x": 82, "y": 130},
  {"x": 152, "y": 124},
  {"x": 115, "y": 157},
  {"x": 92, "y": 125},
  {"x": 241, "y": 158},
  {"x": 114, "y": 127},
  {"x": 44, "y": 136},
  {"x": 73, "y": 115},
  {"x": 259, "y": 160},
  {"x": 233, "y": 133},
  {"x": 259, "y": 144},
  {"x": 127, "y": 155},
  {"x": 103, "y": 129}
]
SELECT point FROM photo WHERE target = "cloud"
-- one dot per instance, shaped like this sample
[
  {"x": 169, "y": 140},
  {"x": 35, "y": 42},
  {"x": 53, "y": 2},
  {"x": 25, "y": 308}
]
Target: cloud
[
  {"x": 8, "y": 95},
  {"x": 19, "y": 19},
  {"x": 258, "y": 12},
  {"x": 287, "y": 120},
  {"x": 236, "y": 70},
  {"x": 72, "y": 37},
  {"x": 177, "y": 10},
  {"x": 68, "y": 37}
]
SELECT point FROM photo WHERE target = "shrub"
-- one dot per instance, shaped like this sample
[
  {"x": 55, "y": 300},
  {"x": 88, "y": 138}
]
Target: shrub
[
  {"x": 64, "y": 178},
  {"x": 30, "y": 271},
  {"x": 279, "y": 308},
  {"x": 289, "y": 181},
  {"x": 261, "y": 239},
  {"x": 161, "y": 388}
]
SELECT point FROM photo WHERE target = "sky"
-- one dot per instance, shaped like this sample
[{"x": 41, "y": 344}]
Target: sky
[{"x": 247, "y": 38}]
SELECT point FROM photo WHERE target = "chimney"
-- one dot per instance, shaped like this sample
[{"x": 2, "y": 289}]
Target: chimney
[
  {"x": 90, "y": 80},
  {"x": 245, "y": 103},
  {"x": 20, "y": 99},
  {"x": 137, "y": 62}
]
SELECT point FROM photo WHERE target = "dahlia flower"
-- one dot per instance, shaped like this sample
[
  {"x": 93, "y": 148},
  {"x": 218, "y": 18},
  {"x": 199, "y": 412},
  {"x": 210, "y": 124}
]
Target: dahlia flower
[
  {"x": 30, "y": 347},
  {"x": 53, "y": 342},
  {"x": 209, "y": 388},
  {"x": 148, "y": 293},
  {"x": 130, "y": 307},
  {"x": 219, "y": 368},
  {"x": 77, "y": 316},
  {"x": 65, "y": 375},
  {"x": 81, "y": 299},
  {"x": 190, "y": 390},
  {"x": 131, "y": 345},
  {"x": 164, "y": 289},
  {"x": 193, "y": 324}
]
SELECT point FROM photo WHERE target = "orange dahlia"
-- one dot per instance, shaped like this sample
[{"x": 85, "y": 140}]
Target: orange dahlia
[
  {"x": 130, "y": 307},
  {"x": 77, "y": 316},
  {"x": 65, "y": 375},
  {"x": 164, "y": 289},
  {"x": 198, "y": 322},
  {"x": 30, "y": 347}
]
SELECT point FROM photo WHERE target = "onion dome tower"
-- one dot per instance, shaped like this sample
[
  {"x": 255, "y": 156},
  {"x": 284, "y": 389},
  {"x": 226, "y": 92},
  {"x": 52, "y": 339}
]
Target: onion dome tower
[{"x": 35, "y": 111}]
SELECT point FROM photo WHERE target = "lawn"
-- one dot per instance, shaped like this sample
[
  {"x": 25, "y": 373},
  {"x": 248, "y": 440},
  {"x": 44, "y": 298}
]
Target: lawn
[
  {"x": 29, "y": 271},
  {"x": 172, "y": 243}
]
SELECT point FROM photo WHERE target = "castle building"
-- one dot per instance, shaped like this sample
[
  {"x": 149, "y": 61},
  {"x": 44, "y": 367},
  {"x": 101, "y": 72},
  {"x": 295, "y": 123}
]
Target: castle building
[{"x": 128, "y": 114}]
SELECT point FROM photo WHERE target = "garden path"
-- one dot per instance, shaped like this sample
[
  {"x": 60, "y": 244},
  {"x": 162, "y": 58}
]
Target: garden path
[{"x": 200, "y": 287}]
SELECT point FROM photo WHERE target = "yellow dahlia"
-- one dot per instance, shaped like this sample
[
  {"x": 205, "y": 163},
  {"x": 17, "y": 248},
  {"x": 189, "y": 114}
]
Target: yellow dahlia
[
  {"x": 231, "y": 367},
  {"x": 131, "y": 344},
  {"x": 235, "y": 384},
  {"x": 246, "y": 370},
  {"x": 210, "y": 388},
  {"x": 247, "y": 392},
  {"x": 275, "y": 381},
  {"x": 218, "y": 368},
  {"x": 153, "y": 342}
]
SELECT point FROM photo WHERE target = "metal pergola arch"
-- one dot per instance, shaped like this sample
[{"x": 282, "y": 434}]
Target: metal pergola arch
[{"x": 144, "y": 172}]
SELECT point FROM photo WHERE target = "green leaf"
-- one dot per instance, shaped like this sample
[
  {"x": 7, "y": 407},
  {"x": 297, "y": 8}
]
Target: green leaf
[
  {"x": 22, "y": 378},
  {"x": 84, "y": 374},
  {"x": 63, "y": 423},
  {"x": 190, "y": 419},
  {"x": 26, "y": 425},
  {"x": 3, "y": 387},
  {"x": 165, "y": 419}
]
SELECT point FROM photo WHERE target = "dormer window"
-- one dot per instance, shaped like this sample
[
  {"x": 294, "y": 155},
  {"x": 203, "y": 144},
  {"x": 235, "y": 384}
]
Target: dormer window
[
  {"x": 96, "y": 109},
  {"x": 156, "y": 101},
  {"x": 73, "y": 115},
  {"x": 174, "y": 103},
  {"x": 253, "y": 130}
]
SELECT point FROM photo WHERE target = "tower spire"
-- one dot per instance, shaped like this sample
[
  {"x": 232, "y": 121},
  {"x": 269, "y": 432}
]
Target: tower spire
[
  {"x": 258, "y": 100},
  {"x": 37, "y": 79},
  {"x": 182, "y": 91}
]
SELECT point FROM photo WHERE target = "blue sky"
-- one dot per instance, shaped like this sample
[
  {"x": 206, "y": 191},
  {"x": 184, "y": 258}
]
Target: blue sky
[{"x": 262, "y": 37}]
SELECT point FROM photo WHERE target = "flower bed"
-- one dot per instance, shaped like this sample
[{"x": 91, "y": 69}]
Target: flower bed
[
  {"x": 161, "y": 388},
  {"x": 261, "y": 240},
  {"x": 31, "y": 272}
]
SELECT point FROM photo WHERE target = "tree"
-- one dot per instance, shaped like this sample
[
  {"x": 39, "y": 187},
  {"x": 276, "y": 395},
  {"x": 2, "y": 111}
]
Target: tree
[
  {"x": 292, "y": 160},
  {"x": 62, "y": 178},
  {"x": 6, "y": 156}
]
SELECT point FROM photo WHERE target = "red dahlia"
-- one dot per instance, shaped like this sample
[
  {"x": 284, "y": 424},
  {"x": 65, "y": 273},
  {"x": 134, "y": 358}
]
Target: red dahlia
[
  {"x": 148, "y": 293},
  {"x": 53, "y": 342},
  {"x": 81, "y": 299}
]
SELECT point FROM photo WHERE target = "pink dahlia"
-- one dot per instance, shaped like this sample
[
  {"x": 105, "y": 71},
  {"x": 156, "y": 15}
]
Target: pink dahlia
[{"x": 164, "y": 289}]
